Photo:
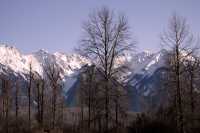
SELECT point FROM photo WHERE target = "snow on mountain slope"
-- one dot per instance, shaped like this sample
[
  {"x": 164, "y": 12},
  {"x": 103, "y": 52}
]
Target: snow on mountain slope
[
  {"x": 69, "y": 63},
  {"x": 20, "y": 63},
  {"x": 11, "y": 57},
  {"x": 146, "y": 62},
  {"x": 140, "y": 63}
]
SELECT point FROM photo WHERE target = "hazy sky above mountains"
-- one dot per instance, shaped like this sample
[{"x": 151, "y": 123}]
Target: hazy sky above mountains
[{"x": 55, "y": 25}]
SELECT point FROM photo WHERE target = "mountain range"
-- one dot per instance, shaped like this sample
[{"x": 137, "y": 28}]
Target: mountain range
[{"x": 143, "y": 78}]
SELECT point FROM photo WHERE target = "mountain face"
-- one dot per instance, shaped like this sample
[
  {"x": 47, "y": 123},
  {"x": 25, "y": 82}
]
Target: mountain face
[
  {"x": 143, "y": 82},
  {"x": 16, "y": 65}
]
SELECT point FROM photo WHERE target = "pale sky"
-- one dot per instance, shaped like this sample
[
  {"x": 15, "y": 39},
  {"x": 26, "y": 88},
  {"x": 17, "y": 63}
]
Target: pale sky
[{"x": 55, "y": 25}]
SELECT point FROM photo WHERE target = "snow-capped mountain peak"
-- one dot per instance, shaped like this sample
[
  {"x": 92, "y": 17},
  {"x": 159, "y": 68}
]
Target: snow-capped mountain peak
[
  {"x": 12, "y": 57},
  {"x": 141, "y": 76},
  {"x": 20, "y": 63}
]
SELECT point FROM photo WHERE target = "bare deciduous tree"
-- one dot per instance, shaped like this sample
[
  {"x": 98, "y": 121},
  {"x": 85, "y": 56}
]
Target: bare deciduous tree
[
  {"x": 106, "y": 37},
  {"x": 179, "y": 41}
]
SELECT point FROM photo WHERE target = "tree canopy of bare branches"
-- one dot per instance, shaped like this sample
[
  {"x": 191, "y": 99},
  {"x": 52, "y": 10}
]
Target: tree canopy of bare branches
[{"x": 106, "y": 37}]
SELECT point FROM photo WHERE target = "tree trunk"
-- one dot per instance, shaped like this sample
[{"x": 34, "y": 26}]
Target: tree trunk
[
  {"x": 42, "y": 104},
  {"x": 16, "y": 104},
  {"x": 179, "y": 96},
  {"x": 116, "y": 115},
  {"x": 29, "y": 98},
  {"x": 54, "y": 107}
]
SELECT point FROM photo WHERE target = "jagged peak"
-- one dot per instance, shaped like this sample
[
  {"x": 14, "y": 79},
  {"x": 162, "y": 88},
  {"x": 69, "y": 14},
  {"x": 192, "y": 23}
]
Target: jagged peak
[
  {"x": 69, "y": 62},
  {"x": 6, "y": 49},
  {"x": 41, "y": 52}
]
